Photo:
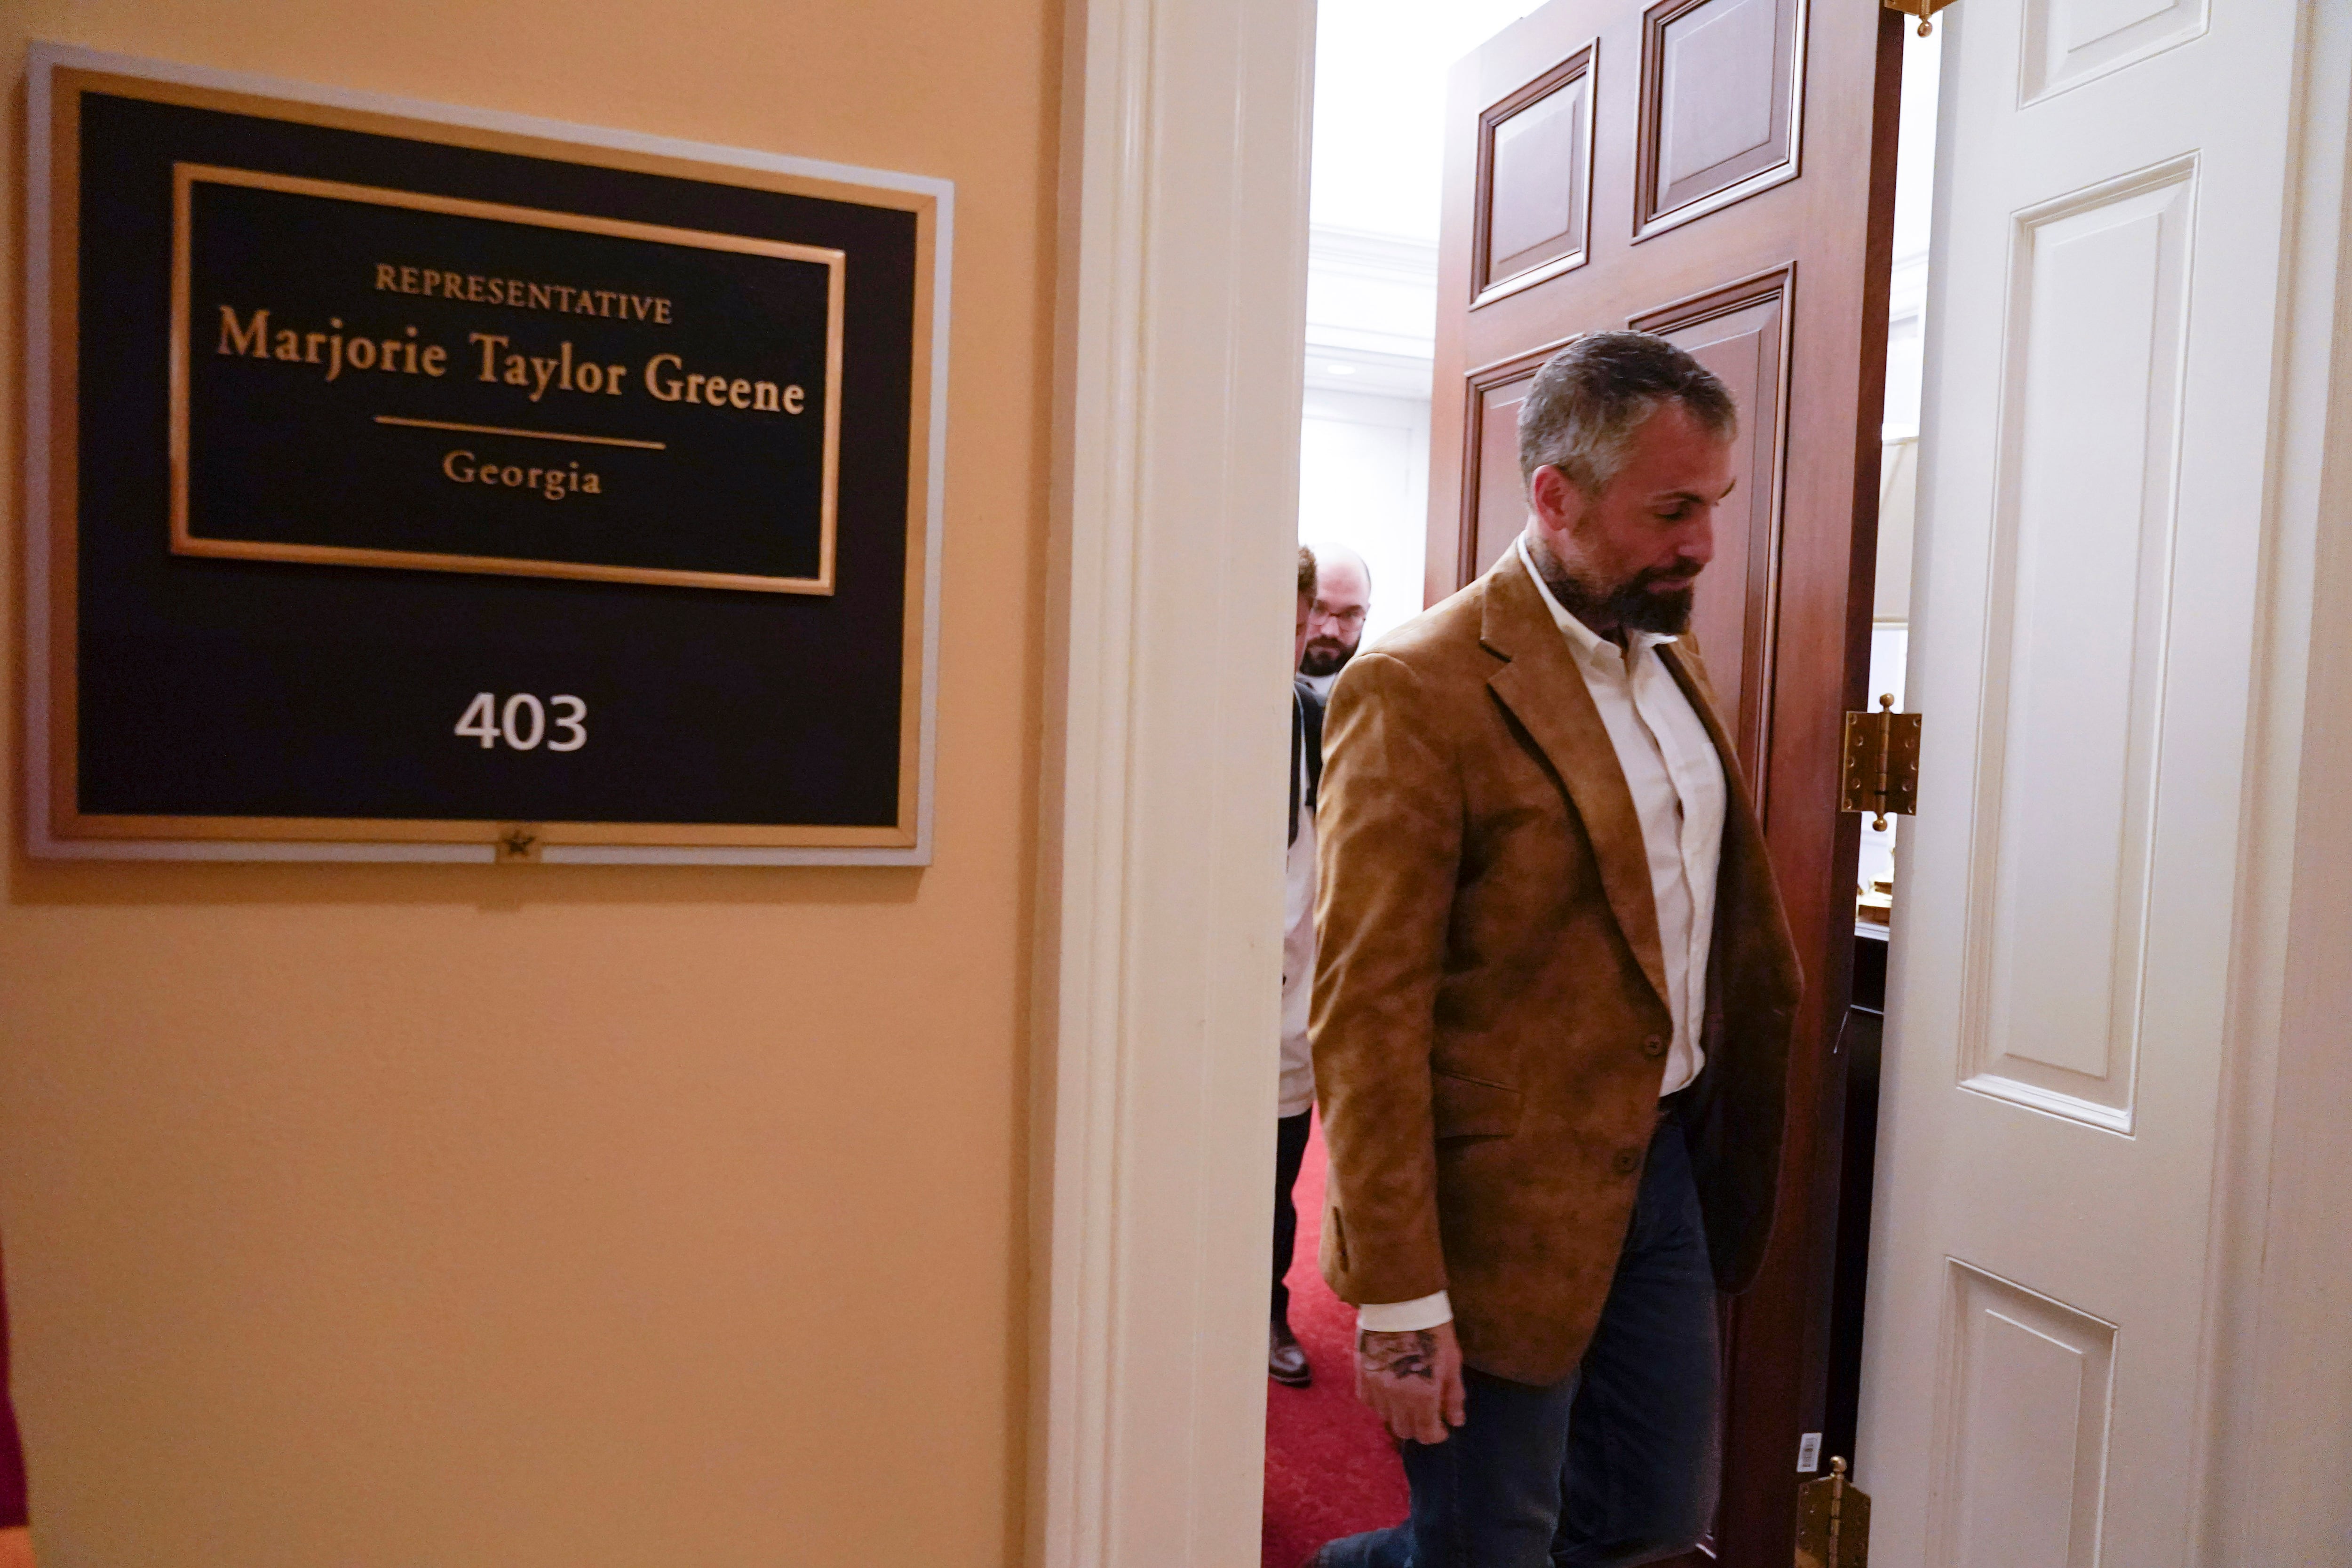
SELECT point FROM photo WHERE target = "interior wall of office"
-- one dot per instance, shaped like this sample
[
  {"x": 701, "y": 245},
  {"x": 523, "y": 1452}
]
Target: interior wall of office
[{"x": 559, "y": 1216}]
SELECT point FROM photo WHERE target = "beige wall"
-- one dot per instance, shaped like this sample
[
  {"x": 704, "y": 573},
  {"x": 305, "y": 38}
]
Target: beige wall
[{"x": 411, "y": 1217}]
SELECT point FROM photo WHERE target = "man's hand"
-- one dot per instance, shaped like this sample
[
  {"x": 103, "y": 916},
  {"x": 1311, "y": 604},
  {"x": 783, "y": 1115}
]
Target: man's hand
[{"x": 1412, "y": 1381}]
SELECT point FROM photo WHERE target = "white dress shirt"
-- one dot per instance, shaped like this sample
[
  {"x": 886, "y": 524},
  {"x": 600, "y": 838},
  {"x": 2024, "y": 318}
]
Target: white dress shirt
[{"x": 1675, "y": 777}]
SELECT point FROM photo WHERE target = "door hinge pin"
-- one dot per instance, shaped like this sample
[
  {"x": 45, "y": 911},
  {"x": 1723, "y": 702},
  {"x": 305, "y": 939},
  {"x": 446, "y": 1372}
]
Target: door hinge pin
[
  {"x": 1832, "y": 1522},
  {"x": 1922, "y": 9}
]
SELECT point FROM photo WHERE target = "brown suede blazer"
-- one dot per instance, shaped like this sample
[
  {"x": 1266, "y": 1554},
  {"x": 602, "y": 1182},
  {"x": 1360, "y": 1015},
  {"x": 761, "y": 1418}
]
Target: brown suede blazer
[{"x": 1490, "y": 1025}]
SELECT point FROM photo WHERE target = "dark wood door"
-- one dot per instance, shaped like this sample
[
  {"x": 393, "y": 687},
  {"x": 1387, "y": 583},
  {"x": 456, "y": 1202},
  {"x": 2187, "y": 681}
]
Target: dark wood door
[{"x": 1722, "y": 172}]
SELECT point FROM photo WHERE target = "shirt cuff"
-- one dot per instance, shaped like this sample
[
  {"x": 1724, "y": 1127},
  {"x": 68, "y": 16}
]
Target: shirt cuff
[{"x": 1405, "y": 1316}]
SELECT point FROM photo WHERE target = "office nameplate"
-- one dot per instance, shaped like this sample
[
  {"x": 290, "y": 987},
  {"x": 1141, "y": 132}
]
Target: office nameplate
[{"x": 418, "y": 483}]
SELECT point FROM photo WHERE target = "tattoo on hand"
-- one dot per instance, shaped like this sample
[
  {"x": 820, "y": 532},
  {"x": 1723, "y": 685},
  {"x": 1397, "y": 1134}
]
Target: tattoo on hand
[{"x": 1401, "y": 1355}]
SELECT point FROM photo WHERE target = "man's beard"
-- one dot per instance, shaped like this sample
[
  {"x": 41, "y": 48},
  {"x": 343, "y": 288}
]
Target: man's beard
[
  {"x": 1631, "y": 604},
  {"x": 1324, "y": 656}
]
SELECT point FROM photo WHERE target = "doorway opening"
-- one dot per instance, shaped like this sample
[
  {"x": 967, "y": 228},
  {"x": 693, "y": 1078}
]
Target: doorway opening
[
  {"x": 1364, "y": 471},
  {"x": 1890, "y": 642},
  {"x": 1390, "y": 473},
  {"x": 2020, "y": 1233}
]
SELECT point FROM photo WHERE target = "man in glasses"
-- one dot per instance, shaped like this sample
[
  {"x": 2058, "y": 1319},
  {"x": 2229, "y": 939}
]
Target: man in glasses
[{"x": 1343, "y": 597}]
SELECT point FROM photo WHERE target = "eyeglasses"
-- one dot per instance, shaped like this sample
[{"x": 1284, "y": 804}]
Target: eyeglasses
[{"x": 1348, "y": 617}]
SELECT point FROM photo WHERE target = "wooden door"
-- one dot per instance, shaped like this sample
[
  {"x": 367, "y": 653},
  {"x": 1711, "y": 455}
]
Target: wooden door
[
  {"x": 2049, "y": 1285},
  {"x": 1719, "y": 171}
]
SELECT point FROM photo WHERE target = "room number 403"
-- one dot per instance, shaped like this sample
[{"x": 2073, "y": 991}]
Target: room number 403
[{"x": 523, "y": 721}]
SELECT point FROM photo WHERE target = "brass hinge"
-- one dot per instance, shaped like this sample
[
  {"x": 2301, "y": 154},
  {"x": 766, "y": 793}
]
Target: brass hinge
[
  {"x": 1881, "y": 776},
  {"x": 1832, "y": 1522},
  {"x": 1922, "y": 9}
]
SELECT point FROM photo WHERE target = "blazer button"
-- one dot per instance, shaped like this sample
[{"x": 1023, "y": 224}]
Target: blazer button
[
  {"x": 1626, "y": 1162},
  {"x": 1655, "y": 1045}
]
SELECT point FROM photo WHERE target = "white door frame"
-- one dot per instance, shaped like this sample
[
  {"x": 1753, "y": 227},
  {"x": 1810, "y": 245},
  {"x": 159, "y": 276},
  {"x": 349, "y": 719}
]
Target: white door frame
[
  {"x": 1154, "y": 999},
  {"x": 2279, "y": 1433},
  {"x": 1180, "y": 348}
]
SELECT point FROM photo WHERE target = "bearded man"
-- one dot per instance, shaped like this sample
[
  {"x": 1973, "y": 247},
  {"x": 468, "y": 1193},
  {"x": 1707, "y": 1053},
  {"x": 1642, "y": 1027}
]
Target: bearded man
[
  {"x": 1343, "y": 598},
  {"x": 1552, "y": 1003}
]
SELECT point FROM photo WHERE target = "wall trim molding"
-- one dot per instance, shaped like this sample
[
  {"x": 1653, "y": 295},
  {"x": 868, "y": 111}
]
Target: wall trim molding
[
  {"x": 1371, "y": 306},
  {"x": 1155, "y": 998},
  {"x": 1362, "y": 253}
]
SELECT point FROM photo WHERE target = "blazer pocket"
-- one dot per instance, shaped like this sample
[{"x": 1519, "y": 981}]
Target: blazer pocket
[{"x": 1473, "y": 1108}]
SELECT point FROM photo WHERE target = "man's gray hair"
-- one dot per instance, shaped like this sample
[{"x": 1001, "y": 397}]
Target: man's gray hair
[{"x": 1589, "y": 399}]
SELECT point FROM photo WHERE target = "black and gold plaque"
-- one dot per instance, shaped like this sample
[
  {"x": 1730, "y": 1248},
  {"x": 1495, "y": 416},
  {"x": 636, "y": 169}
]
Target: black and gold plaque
[{"x": 420, "y": 483}]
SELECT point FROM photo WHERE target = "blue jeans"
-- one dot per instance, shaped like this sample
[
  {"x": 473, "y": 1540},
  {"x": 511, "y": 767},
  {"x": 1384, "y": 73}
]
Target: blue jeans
[{"x": 1615, "y": 1465}]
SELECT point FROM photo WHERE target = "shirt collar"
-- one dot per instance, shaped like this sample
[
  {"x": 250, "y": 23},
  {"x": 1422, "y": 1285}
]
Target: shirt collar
[{"x": 1589, "y": 646}]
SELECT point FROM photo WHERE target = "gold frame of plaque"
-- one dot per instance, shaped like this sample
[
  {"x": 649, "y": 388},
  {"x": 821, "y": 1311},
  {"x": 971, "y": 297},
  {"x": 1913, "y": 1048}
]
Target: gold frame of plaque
[
  {"x": 185, "y": 177},
  {"x": 890, "y": 821}
]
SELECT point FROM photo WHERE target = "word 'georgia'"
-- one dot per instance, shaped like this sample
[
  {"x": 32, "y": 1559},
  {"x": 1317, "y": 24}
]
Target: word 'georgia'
[{"x": 464, "y": 469}]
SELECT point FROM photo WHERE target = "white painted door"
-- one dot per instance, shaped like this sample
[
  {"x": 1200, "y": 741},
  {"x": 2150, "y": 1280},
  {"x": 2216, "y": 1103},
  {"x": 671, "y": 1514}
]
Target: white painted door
[{"x": 2105, "y": 281}]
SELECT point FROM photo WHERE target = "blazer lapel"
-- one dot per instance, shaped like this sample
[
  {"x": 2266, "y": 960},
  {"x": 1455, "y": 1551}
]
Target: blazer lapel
[{"x": 1545, "y": 691}]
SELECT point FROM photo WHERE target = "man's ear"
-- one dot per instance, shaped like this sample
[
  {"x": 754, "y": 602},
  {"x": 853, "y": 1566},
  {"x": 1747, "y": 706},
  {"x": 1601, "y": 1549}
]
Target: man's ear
[{"x": 1554, "y": 499}]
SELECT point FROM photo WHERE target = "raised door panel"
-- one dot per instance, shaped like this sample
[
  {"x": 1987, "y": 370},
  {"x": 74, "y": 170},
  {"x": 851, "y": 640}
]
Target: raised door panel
[
  {"x": 2023, "y": 1428},
  {"x": 2080, "y": 613},
  {"x": 1720, "y": 87},
  {"x": 1534, "y": 181},
  {"x": 1497, "y": 495},
  {"x": 2069, "y": 42}
]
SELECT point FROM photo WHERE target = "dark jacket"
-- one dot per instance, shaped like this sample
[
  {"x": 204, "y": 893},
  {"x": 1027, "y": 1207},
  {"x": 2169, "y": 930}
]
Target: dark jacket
[{"x": 1306, "y": 736}]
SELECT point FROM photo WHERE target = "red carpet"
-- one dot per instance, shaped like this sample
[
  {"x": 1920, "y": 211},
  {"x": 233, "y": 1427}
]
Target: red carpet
[{"x": 1329, "y": 1469}]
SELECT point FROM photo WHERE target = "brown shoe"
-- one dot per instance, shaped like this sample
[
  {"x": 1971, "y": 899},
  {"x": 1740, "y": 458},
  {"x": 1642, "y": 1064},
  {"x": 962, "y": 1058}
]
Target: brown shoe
[{"x": 1286, "y": 1361}]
